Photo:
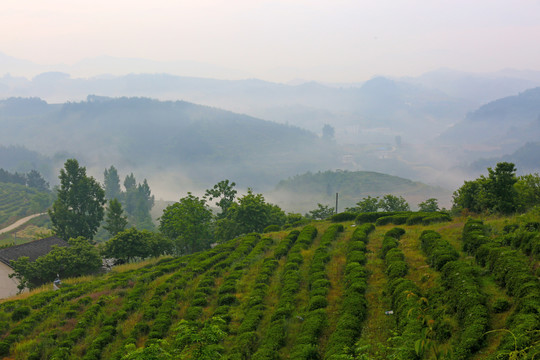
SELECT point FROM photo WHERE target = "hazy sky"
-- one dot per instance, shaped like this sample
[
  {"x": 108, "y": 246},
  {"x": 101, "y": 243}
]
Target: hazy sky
[{"x": 338, "y": 40}]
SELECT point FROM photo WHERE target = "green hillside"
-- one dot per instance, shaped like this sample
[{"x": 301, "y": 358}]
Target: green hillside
[
  {"x": 17, "y": 201},
  {"x": 317, "y": 292},
  {"x": 308, "y": 189}
]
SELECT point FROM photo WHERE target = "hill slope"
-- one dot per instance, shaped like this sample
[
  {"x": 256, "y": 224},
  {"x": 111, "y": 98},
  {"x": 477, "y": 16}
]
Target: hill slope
[
  {"x": 207, "y": 143},
  {"x": 18, "y": 201},
  {"x": 297, "y": 294},
  {"x": 306, "y": 190},
  {"x": 499, "y": 127}
]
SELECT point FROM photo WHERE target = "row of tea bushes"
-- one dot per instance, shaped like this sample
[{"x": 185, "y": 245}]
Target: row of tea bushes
[
  {"x": 353, "y": 311},
  {"x": 158, "y": 312},
  {"x": 525, "y": 238},
  {"x": 438, "y": 250},
  {"x": 391, "y": 240},
  {"x": 228, "y": 289},
  {"x": 315, "y": 318},
  {"x": 396, "y": 266},
  {"x": 275, "y": 336},
  {"x": 462, "y": 293},
  {"x": 247, "y": 340},
  {"x": 404, "y": 296},
  {"x": 402, "y": 218},
  {"x": 511, "y": 271}
]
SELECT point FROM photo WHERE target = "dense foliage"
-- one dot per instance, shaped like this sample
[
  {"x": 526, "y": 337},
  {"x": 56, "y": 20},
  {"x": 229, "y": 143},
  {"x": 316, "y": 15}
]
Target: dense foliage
[
  {"x": 500, "y": 192},
  {"x": 79, "y": 258},
  {"x": 78, "y": 208}
]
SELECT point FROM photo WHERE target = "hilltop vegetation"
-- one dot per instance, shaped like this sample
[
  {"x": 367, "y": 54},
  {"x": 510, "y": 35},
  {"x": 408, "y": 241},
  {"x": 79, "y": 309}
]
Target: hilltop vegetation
[{"x": 307, "y": 189}]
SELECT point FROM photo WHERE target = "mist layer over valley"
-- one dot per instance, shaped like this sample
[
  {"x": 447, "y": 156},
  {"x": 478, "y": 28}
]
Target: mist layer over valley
[{"x": 259, "y": 133}]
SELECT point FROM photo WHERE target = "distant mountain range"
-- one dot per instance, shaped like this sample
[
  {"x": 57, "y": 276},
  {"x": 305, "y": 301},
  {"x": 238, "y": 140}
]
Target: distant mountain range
[
  {"x": 422, "y": 127},
  {"x": 499, "y": 127},
  {"x": 201, "y": 143}
]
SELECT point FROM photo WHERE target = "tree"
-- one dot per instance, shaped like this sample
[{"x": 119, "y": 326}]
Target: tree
[
  {"x": 528, "y": 191},
  {"x": 188, "y": 224},
  {"x": 77, "y": 259},
  {"x": 114, "y": 218},
  {"x": 225, "y": 192},
  {"x": 143, "y": 204},
  {"x": 472, "y": 196},
  {"x": 132, "y": 243},
  {"x": 138, "y": 201},
  {"x": 393, "y": 203},
  {"x": 153, "y": 351},
  {"x": 78, "y": 209},
  {"x": 430, "y": 205},
  {"x": 112, "y": 183},
  {"x": 328, "y": 132},
  {"x": 495, "y": 193},
  {"x": 321, "y": 212},
  {"x": 251, "y": 214},
  {"x": 200, "y": 342},
  {"x": 369, "y": 204},
  {"x": 36, "y": 181},
  {"x": 501, "y": 187}
]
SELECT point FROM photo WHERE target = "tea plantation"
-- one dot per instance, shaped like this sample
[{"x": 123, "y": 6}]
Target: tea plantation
[{"x": 403, "y": 286}]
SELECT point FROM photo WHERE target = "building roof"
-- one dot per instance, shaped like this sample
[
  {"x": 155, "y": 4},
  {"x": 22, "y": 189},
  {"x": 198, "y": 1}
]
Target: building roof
[{"x": 33, "y": 249}]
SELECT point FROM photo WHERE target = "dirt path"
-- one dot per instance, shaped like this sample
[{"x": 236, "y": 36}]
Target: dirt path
[{"x": 19, "y": 223}]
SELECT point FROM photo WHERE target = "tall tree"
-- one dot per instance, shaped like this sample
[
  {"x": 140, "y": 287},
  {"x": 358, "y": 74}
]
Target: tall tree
[
  {"x": 430, "y": 205},
  {"x": 187, "y": 223},
  {"x": 251, "y": 214},
  {"x": 78, "y": 209},
  {"x": 391, "y": 202},
  {"x": 112, "y": 183},
  {"x": 225, "y": 192},
  {"x": 495, "y": 193},
  {"x": 321, "y": 212},
  {"x": 369, "y": 204},
  {"x": 115, "y": 220},
  {"x": 36, "y": 181},
  {"x": 501, "y": 187}
]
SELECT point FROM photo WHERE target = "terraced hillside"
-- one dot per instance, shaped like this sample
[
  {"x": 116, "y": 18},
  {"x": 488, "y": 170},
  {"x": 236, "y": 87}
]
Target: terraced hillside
[
  {"x": 17, "y": 201},
  {"x": 325, "y": 291}
]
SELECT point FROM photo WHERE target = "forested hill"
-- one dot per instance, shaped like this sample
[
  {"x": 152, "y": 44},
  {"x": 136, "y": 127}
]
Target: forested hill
[
  {"x": 426, "y": 290},
  {"x": 352, "y": 186},
  {"x": 505, "y": 124},
  {"x": 211, "y": 143}
]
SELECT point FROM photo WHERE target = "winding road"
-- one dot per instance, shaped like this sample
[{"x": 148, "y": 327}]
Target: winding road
[{"x": 19, "y": 223}]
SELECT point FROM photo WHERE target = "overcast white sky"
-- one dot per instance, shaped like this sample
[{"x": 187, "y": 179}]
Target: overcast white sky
[{"x": 323, "y": 40}]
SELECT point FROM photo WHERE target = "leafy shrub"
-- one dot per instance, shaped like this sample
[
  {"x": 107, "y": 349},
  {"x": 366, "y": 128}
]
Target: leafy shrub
[
  {"x": 227, "y": 299},
  {"x": 500, "y": 306},
  {"x": 396, "y": 233},
  {"x": 271, "y": 228},
  {"x": 317, "y": 302},
  {"x": 20, "y": 313},
  {"x": 391, "y": 219},
  {"x": 437, "y": 218},
  {"x": 397, "y": 269},
  {"x": 344, "y": 216}
]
